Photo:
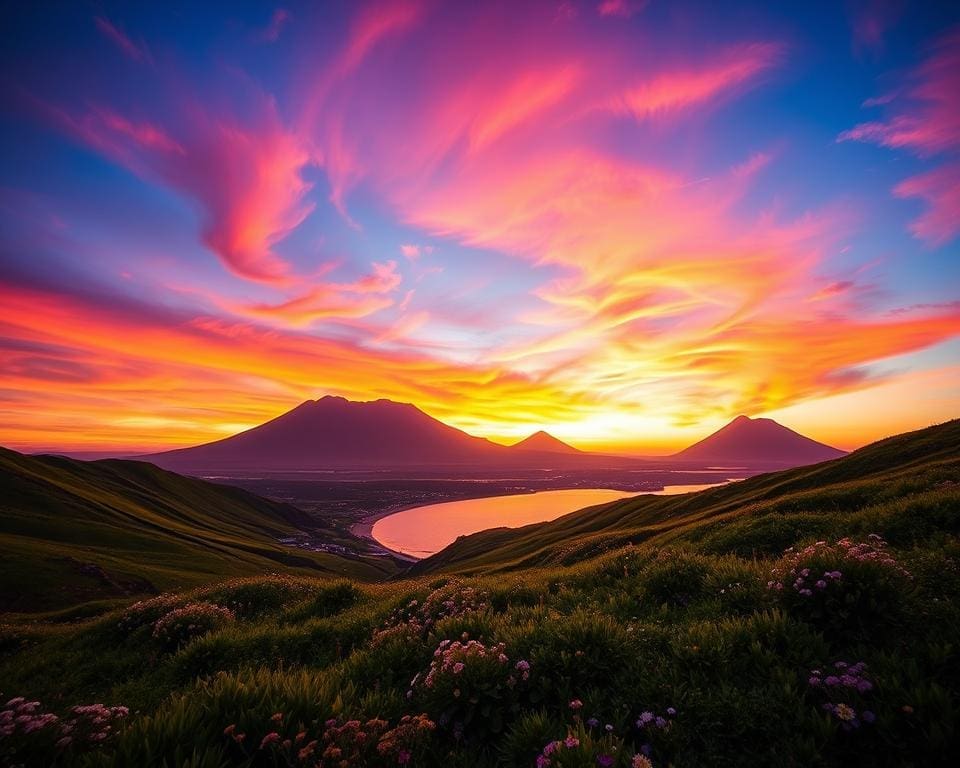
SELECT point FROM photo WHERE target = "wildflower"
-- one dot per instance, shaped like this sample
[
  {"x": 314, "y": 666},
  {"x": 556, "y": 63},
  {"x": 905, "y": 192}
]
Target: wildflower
[
  {"x": 671, "y": 711},
  {"x": 605, "y": 761},
  {"x": 644, "y": 719},
  {"x": 542, "y": 761},
  {"x": 844, "y": 712},
  {"x": 571, "y": 741},
  {"x": 458, "y": 667},
  {"x": 228, "y": 731},
  {"x": 576, "y": 705},
  {"x": 821, "y": 584},
  {"x": 641, "y": 761},
  {"x": 277, "y": 717},
  {"x": 269, "y": 739},
  {"x": 593, "y": 722},
  {"x": 867, "y": 716}
]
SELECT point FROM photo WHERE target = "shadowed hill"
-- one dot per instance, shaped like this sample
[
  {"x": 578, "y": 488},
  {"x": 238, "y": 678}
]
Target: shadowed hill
[
  {"x": 72, "y": 531},
  {"x": 757, "y": 442},
  {"x": 897, "y": 468}
]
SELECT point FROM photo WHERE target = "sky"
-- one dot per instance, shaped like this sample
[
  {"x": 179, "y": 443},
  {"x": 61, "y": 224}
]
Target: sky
[{"x": 624, "y": 222}]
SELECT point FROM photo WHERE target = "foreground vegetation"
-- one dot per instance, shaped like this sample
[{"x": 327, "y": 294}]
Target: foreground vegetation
[{"x": 809, "y": 617}]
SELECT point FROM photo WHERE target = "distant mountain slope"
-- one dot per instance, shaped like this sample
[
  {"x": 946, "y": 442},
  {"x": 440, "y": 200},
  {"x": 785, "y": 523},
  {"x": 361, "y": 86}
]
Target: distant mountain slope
[
  {"x": 545, "y": 442},
  {"x": 758, "y": 442},
  {"x": 72, "y": 531},
  {"x": 336, "y": 433},
  {"x": 775, "y": 507}
]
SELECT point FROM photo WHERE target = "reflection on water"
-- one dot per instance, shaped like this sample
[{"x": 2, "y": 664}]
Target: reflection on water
[{"x": 422, "y": 531}]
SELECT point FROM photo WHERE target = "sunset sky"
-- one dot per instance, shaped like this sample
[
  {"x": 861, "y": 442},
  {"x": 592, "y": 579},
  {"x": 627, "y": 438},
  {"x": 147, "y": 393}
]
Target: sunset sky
[{"x": 625, "y": 222}]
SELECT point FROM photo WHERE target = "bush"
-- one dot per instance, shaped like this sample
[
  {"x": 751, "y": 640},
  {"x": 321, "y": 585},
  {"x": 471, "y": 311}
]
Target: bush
[
  {"x": 848, "y": 590},
  {"x": 470, "y": 689},
  {"x": 181, "y": 625},
  {"x": 674, "y": 579}
]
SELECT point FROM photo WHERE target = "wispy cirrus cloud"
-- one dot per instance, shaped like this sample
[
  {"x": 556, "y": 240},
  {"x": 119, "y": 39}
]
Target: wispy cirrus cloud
[
  {"x": 135, "y": 51},
  {"x": 925, "y": 119}
]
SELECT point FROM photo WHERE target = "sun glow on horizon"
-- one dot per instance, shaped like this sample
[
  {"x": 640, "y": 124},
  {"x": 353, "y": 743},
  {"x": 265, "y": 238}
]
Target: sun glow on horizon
[{"x": 623, "y": 229}]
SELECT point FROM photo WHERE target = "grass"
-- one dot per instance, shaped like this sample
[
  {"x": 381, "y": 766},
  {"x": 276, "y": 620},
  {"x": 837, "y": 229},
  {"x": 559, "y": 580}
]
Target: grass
[
  {"x": 74, "y": 531},
  {"x": 677, "y": 622}
]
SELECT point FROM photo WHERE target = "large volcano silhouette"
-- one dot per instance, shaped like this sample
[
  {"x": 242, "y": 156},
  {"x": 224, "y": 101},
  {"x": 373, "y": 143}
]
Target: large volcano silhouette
[
  {"x": 757, "y": 442},
  {"x": 333, "y": 432}
]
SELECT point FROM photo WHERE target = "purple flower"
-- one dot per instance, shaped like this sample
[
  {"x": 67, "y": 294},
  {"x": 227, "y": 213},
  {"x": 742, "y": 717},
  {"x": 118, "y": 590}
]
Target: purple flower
[
  {"x": 821, "y": 584},
  {"x": 806, "y": 592},
  {"x": 864, "y": 685},
  {"x": 604, "y": 760},
  {"x": 832, "y": 680},
  {"x": 661, "y": 722},
  {"x": 644, "y": 719},
  {"x": 593, "y": 722},
  {"x": 868, "y": 716},
  {"x": 671, "y": 711},
  {"x": 542, "y": 761},
  {"x": 814, "y": 681}
]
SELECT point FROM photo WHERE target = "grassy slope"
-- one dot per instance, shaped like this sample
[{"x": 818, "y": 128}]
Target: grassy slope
[
  {"x": 146, "y": 528},
  {"x": 902, "y": 467},
  {"x": 624, "y": 629}
]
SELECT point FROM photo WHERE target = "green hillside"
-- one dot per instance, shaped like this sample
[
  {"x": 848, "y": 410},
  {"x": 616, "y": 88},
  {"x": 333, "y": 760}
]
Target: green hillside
[
  {"x": 762, "y": 515},
  {"x": 73, "y": 531},
  {"x": 666, "y": 632}
]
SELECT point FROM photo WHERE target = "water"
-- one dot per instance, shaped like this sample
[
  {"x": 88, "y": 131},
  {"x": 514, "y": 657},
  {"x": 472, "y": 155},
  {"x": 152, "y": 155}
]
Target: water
[{"x": 422, "y": 531}]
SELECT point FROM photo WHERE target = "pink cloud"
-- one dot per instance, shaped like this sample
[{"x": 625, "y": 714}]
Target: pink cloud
[
  {"x": 622, "y": 8},
  {"x": 279, "y": 19},
  {"x": 681, "y": 89},
  {"x": 244, "y": 176},
  {"x": 871, "y": 20},
  {"x": 940, "y": 190},
  {"x": 121, "y": 40},
  {"x": 925, "y": 119}
]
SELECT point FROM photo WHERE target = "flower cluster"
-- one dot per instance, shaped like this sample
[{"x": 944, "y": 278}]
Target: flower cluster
[
  {"x": 465, "y": 678},
  {"x": 794, "y": 572},
  {"x": 418, "y": 618},
  {"x": 26, "y": 730},
  {"x": 848, "y": 681},
  {"x": 343, "y": 743},
  {"x": 181, "y": 625},
  {"x": 91, "y": 723},
  {"x": 144, "y": 612},
  {"x": 20, "y": 716},
  {"x": 581, "y": 747}
]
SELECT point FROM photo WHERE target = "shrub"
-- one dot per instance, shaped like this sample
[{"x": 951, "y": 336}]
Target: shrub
[
  {"x": 250, "y": 598},
  {"x": 417, "y": 618},
  {"x": 470, "y": 688},
  {"x": 583, "y": 748},
  {"x": 147, "y": 612},
  {"x": 181, "y": 625},
  {"x": 674, "y": 579},
  {"x": 847, "y": 589}
]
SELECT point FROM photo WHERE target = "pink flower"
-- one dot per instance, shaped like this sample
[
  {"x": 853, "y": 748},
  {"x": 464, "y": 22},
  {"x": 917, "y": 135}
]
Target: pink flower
[
  {"x": 269, "y": 739},
  {"x": 571, "y": 742},
  {"x": 576, "y": 704},
  {"x": 458, "y": 667}
]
